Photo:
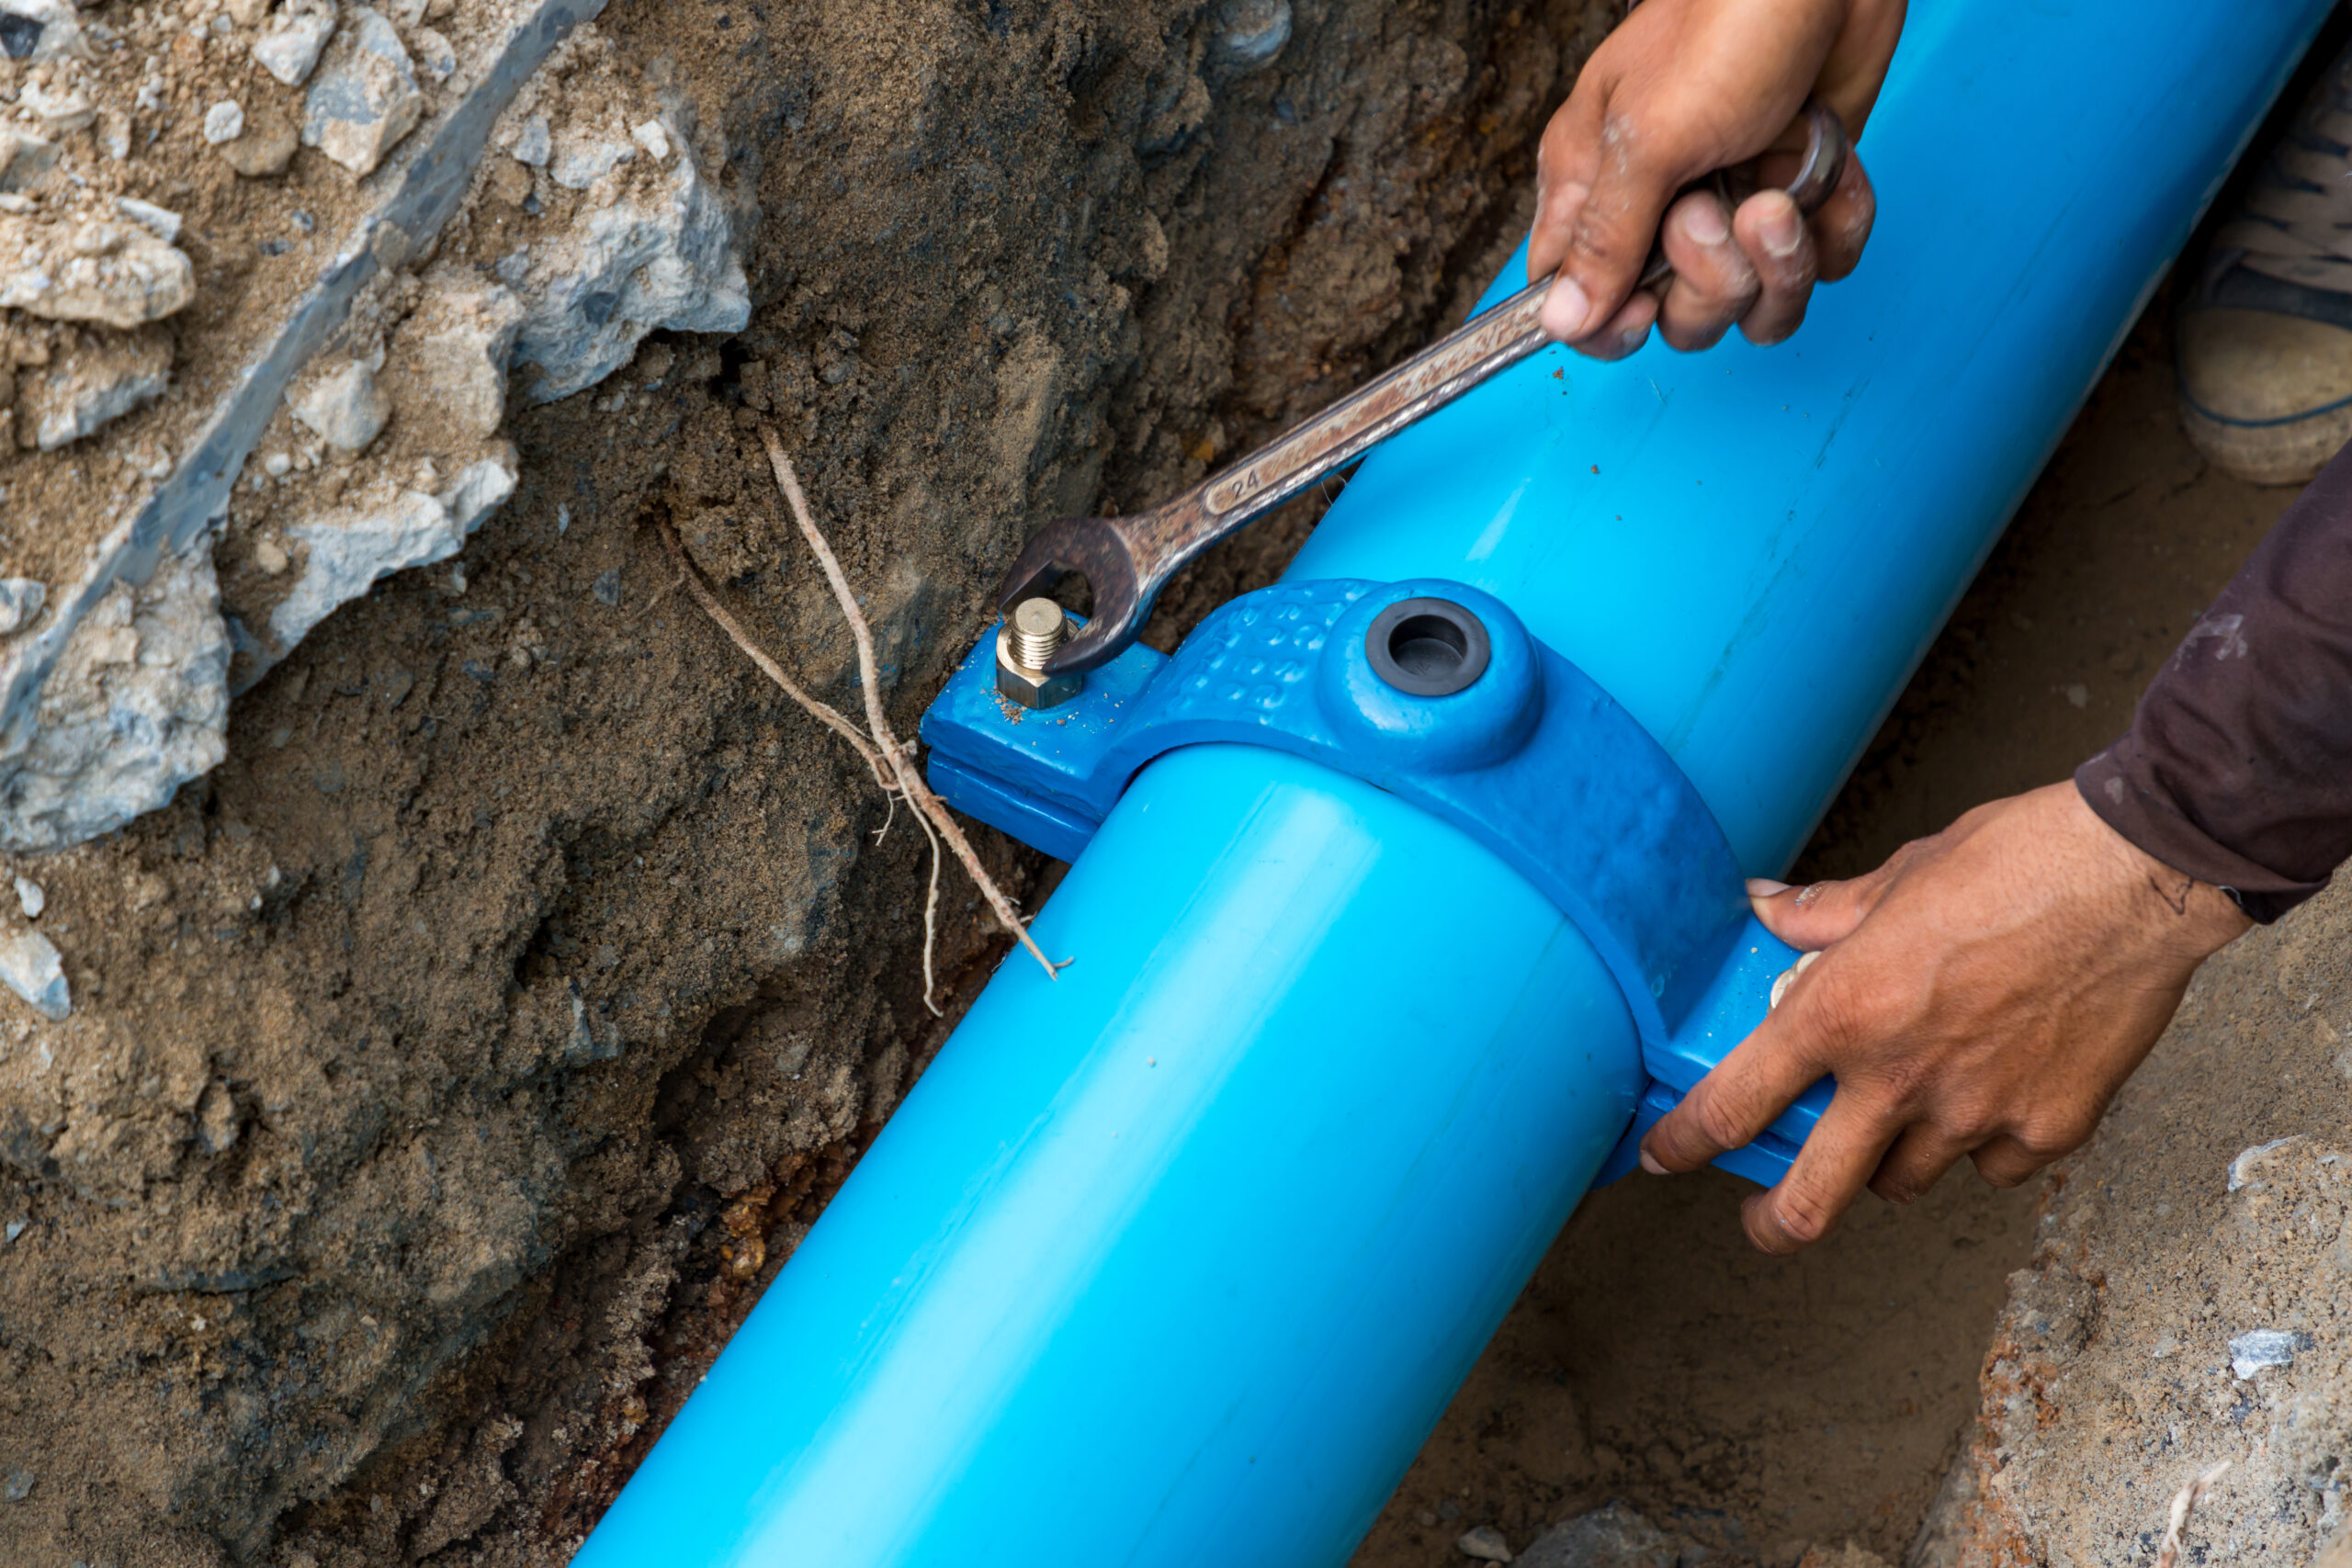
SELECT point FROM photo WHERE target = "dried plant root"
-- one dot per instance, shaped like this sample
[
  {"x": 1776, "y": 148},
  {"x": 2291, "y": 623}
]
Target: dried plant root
[{"x": 909, "y": 779}]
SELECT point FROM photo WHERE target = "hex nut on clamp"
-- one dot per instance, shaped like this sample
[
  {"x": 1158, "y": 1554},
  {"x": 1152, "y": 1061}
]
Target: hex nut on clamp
[{"x": 1026, "y": 639}]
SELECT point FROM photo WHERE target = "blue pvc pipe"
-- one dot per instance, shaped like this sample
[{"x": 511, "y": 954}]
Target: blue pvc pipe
[{"x": 1177, "y": 1260}]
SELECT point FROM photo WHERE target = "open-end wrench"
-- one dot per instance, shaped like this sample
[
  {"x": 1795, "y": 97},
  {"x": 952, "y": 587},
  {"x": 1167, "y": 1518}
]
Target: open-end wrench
[{"x": 1127, "y": 560}]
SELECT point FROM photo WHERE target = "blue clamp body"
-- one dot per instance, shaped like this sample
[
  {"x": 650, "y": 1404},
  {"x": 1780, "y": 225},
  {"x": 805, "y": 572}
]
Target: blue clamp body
[{"x": 1533, "y": 760}]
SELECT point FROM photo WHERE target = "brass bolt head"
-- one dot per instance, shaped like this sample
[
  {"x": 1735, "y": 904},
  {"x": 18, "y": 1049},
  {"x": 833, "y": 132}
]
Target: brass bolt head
[{"x": 1027, "y": 638}]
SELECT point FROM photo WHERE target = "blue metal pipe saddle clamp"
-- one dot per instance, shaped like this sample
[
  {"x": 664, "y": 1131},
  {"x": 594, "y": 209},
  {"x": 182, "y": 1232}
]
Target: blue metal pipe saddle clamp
[{"x": 1436, "y": 692}]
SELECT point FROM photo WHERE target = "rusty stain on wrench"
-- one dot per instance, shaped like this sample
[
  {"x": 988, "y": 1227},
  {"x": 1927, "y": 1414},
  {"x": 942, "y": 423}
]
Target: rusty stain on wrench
[{"x": 1127, "y": 560}]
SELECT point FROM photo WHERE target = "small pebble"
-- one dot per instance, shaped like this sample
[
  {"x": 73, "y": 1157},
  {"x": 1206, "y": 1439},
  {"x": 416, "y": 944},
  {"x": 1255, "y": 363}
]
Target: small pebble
[
  {"x": 15, "y": 1485},
  {"x": 1485, "y": 1543},
  {"x": 15, "y": 1228},
  {"x": 536, "y": 142},
  {"x": 2259, "y": 1348},
  {"x": 160, "y": 221},
  {"x": 224, "y": 121},
  {"x": 31, "y": 897},
  {"x": 277, "y": 465}
]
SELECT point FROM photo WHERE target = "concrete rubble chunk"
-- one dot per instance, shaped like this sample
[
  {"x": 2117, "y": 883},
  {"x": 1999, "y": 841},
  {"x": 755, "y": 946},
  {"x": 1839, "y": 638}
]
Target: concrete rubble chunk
[
  {"x": 364, "y": 96},
  {"x": 137, "y": 706},
  {"x": 631, "y": 268},
  {"x": 37, "y": 31},
  {"x": 20, "y": 601},
  {"x": 290, "y": 51},
  {"x": 23, "y": 157},
  {"x": 351, "y": 547},
  {"x": 116, "y": 274},
  {"x": 30, "y": 967},
  {"x": 342, "y": 405},
  {"x": 98, "y": 381}
]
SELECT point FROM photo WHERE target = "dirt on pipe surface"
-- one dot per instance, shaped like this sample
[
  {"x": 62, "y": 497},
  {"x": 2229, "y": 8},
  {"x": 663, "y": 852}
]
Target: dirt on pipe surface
[{"x": 452, "y": 1059}]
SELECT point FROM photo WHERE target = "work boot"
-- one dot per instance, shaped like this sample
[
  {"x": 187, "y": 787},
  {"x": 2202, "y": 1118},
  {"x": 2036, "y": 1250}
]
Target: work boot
[{"x": 2266, "y": 342}]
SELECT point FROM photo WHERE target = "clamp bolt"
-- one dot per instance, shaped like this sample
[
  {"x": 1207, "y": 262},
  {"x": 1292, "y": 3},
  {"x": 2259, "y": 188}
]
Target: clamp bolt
[{"x": 1027, "y": 638}]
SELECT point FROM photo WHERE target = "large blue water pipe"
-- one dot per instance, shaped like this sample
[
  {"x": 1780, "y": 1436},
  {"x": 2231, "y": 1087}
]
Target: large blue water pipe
[{"x": 1177, "y": 1260}]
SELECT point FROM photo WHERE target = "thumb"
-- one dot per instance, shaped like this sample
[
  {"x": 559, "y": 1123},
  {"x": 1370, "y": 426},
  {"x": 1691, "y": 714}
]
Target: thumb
[
  {"x": 1818, "y": 915},
  {"x": 1609, "y": 243}
]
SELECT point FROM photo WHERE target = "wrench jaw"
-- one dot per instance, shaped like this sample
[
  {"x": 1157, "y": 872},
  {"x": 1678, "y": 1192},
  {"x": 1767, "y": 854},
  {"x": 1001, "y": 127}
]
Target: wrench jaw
[{"x": 1095, "y": 549}]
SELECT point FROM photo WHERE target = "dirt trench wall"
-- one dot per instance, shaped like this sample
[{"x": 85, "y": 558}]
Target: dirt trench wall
[
  {"x": 2186, "y": 1306},
  {"x": 449, "y": 1069}
]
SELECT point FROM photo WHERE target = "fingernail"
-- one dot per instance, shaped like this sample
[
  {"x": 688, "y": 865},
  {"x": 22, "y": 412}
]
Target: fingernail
[
  {"x": 1783, "y": 229},
  {"x": 1565, "y": 310},
  {"x": 1765, "y": 887},
  {"x": 1649, "y": 1163},
  {"x": 1703, "y": 220}
]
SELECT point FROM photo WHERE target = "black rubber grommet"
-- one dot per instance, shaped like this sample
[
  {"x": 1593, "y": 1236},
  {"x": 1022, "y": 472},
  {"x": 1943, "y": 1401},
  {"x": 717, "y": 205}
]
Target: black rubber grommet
[{"x": 1427, "y": 648}]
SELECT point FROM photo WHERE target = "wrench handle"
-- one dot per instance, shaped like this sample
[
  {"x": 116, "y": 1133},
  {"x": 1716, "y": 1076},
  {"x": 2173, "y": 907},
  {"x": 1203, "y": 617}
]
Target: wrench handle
[
  {"x": 1485, "y": 346},
  {"x": 1127, "y": 560}
]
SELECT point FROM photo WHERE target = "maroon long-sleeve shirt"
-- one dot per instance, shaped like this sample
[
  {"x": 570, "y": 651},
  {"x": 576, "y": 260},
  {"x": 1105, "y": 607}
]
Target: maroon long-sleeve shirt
[{"x": 2237, "y": 769}]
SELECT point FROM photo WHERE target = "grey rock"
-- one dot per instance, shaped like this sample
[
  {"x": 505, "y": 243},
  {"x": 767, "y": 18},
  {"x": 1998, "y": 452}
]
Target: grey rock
[
  {"x": 15, "y": 1485},
  {"x": 31, "y": 897},
  {"x": 290, "y": 51},
  {"x": 1611, "y": 1537},
  {"x": 364, "y": 98},
  {"x": 37, "y": 31},
  {"x": 1253, "y": 31},
  {"x": 115, "y": 274},
  {"x": 342, "y": 405},
  {"x": 20, "y": 600},
  {"x": 160, "y": 221},
  {"x": 1485, "y": 1543},
  {"x": 581, "y": 162},
  {"x": 97, "y": 383},
  {"x": 2259, "y": 1348},
  {"x": 30, "y": 965},
  {"x": 23, "y": 157},
  {"x": 352, "y": 546},
  {"x": 135, "y": 706},
  {"x": 535, "y": 143},
  {"x": 630, "y": 268}
]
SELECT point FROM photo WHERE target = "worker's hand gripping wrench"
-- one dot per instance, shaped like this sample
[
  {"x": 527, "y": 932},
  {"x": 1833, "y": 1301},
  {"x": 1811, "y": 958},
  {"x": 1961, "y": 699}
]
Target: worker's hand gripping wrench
[{"x": 1127, "y": 560}]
